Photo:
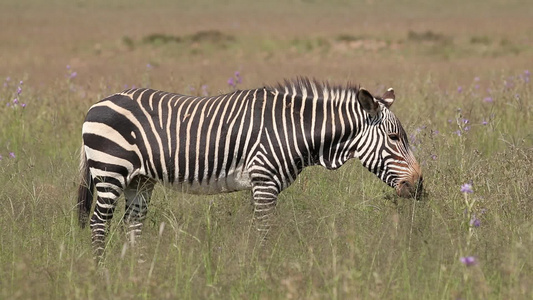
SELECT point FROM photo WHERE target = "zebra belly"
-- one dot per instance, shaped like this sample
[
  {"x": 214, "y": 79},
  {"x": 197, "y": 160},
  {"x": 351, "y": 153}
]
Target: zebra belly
[{"x": 235, "y": 180}]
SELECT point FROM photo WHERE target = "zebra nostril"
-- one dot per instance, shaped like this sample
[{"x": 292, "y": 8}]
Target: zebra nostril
[
  {"x": 405, "y": 184},
  {"x": 409, "y": 189},
  {"x": 405, "y": 189}
]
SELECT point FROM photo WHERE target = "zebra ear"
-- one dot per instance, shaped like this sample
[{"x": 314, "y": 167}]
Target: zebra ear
[
  {"x": 388, "y": 97},
  {"x": 367, "y": 101}
]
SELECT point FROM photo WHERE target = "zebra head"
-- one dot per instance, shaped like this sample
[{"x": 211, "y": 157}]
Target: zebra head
[{"x": 388, "y": 155}]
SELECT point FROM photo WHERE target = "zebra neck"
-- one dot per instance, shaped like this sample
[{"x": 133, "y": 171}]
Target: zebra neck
[{"x": 338, "y": 124}]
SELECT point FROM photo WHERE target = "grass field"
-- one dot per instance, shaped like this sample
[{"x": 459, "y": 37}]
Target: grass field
[{"x": 464, "y": 95}]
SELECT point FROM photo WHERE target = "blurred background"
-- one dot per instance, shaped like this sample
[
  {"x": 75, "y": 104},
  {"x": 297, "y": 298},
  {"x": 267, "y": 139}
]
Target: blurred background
[{"x": 189, "y": 42}]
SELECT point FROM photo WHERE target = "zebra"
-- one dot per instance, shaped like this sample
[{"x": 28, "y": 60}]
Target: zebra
[{"x": 256, "y": 139}]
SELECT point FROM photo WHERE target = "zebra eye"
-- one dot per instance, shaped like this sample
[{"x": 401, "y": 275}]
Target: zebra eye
[{"x": 394, "y": 136}]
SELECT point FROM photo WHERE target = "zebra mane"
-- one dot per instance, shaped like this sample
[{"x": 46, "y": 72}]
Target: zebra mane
[{"x": 300, "y": 84}]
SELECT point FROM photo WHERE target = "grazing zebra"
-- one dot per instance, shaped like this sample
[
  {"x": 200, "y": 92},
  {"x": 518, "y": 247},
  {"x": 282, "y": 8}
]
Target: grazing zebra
[{"x": 257, "y": 139}]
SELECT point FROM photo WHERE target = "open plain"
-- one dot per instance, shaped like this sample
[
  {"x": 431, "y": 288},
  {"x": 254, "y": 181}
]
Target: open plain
[{"x": 461, "y": 73}]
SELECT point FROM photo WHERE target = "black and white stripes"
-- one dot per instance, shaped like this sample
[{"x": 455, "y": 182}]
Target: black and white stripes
[{"x": 258, "y": 139}]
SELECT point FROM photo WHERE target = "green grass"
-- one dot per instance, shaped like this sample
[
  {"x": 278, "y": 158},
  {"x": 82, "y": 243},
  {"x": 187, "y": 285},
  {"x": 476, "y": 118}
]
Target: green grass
[{"x": 339, "y": 234}]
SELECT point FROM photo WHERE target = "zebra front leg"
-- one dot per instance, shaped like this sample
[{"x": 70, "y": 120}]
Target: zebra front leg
[
  {"x": 265, "y": 196},
  {"x": 106, "y": 203},
  {"x": 138, "y": 194}
]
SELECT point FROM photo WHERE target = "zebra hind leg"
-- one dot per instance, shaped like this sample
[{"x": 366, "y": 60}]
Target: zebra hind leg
[
  {"x": 138, "y": 194},
  {"x": 265, "y": 196},
  {"x": 106, "y": 203}
]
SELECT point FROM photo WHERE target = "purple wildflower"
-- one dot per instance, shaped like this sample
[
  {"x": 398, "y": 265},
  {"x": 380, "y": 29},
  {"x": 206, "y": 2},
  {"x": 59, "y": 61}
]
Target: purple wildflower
[
  {"x": 484, "y": 122},
  {"x": 466, "y": 121},
  {"x": 433, "y": 156},
  {"x": 526, "y": 74},
  {"x": 148, "y": 66},
  {"x": 71, "y": 75},
  {"x": 238, "y": 76},
  {"x": 488, "y": 99},
  {"x": 231, "y": 82},
  {"x": 467, "y": 188},
  {"x": 476, "y": 79},
  {"x": 467, "y": 128},
  {"x": 19, "y": 90},
  {"x": 15, "y": 101},
  {"x": 468, "y": 260},
  {"x": 475, "y": 222},
  {"x": 12, "y": 155},
  {"x": 23, "y": 105},
  {"x": 458, "y": 132},
  {"x": 435, "y": 132},
  {"x": 459, "y": 89},
  {"x": 204, "y": 90},
  {"x": 0, "y": 156},
  {"x": 21, "y": 82}
]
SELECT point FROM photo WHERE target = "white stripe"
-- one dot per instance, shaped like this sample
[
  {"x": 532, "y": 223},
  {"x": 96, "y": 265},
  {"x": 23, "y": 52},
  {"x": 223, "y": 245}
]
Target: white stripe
[
  {"x": 313, "y": 115},
  {"x": 323, "y": 129}
]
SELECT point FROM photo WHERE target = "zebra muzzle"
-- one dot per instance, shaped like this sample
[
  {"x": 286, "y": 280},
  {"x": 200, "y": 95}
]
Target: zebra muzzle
[{"x": 411, "y": 189}]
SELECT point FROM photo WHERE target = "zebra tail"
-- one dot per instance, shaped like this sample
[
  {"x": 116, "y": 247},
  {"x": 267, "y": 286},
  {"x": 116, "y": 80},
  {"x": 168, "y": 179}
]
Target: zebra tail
[{"x": 85, "y": 190}]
